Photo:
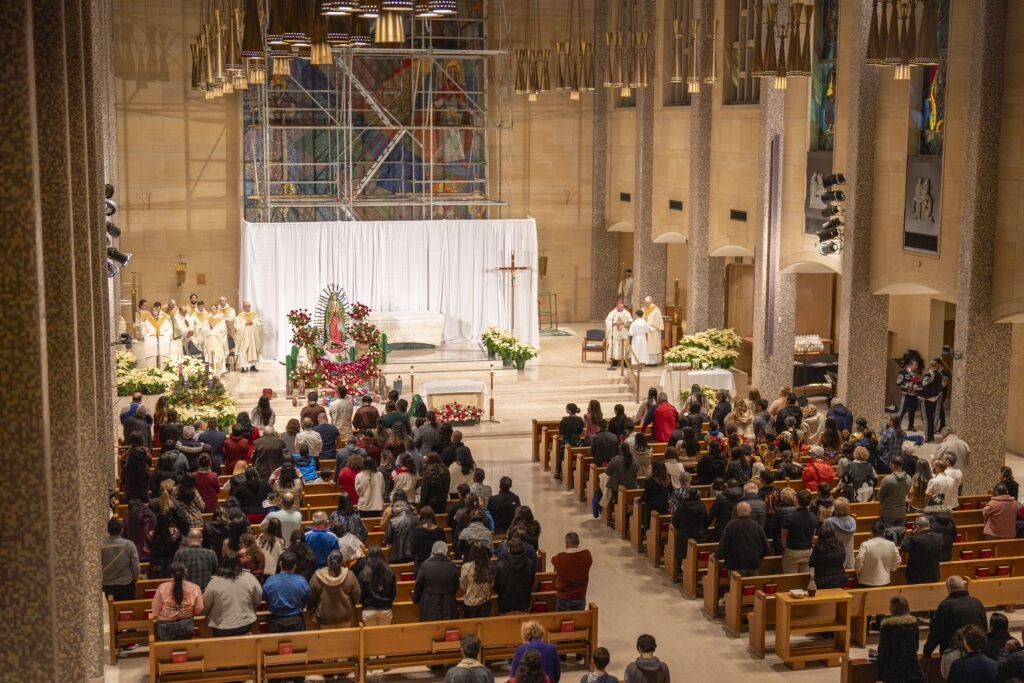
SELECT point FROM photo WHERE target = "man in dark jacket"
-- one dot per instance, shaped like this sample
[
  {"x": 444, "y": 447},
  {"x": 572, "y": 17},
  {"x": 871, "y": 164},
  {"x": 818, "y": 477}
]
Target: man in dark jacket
[
  {"x": 721, "y": 510},
  {"x": 502, "y": 505},
  {"x": 924, "y": 549},
  {"x": 790, "y": 410},
  {"x": 743, "y": 544},
  {"x": 842, "y": 415},
  {"x": 604, "y": 445},
  {"x": 513, "y": 579},
  {"x": 647, "y": 668},
  {"x": 762, "y": 419},
  {"x": 470, "y": 669},
  {"x": 975, "y": 666},
  {"x": 942, "y": 523},
  {"x": 172, "y": 430},
  {"x": 959, "y": 609},
  {"x": 269, "y": 452},
  {"x": 436, "y": 586},
  {"x": 1010, "y": 661},
  {"x": 722, "y": 408}
]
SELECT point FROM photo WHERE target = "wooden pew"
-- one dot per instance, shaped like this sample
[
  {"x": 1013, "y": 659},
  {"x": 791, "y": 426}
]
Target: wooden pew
[
  {"x": 866, "y": 670},
  {"x": 656, "y": 537},
  {"x": 569, "y": 455},
  {"x": 695, "y": 565},
  {"x": 537, "y": 436},
  {"x": 581, "y": 474},
  {"x": 324, "y": 653},
  {"x": 623, "y": 506},
  {"x": 208, "y": 660}
]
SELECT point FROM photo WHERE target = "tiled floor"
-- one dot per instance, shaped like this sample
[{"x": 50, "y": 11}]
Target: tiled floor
[{"x": 633, "y": 597}]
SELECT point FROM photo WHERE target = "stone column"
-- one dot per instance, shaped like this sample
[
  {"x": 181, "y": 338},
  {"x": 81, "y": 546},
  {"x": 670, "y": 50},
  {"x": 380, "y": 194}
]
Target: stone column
[
  {"x": 863, "y": 317},
  {"x": 774, "y": 292},
  {"x": 705, "y": 292},
  {"x": 53, "y": 334},
  {"x": 981, "y": 378},
  {"x": 604, "y": 245},
  {"x": 650, "y": 260}
]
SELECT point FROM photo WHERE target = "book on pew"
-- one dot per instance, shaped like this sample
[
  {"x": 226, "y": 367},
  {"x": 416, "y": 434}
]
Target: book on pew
[
  {"x": 982, "y": 572},
  {"x": 985, "y": 553},
  {"x": 125, "y": 615},
  {"x": 195, "y": 632},
  {"x": 451, "y": 635},
  {"x": 966, "y": 554},
  {"x": 179, "y": 657},
  {"x": 540, "y": 607},
  {"x": 967, "y": 506},
  {"x": 664, "y": 527},
  {"x": 150, "y": 592},
  {"x": 147, "y": 614},
  {"x": 264, "y": 627},
  {"x": 268, "y": 392},
  {"x": 285, "y": 649},
  {"x": 770, "y": 588},
  {"x": 723, "y": 573},
  {"x": 1003, "y": 570},
  {"x": 959, "y": 538},
  {"x": 568, "y": 626},
  {"x": 704, "y": 556},
  {"x": 850, "y": 583},
  {"x": 406, "y": 576},
  {"x": 547, "y": 585},
  {"x": 749, "y": 590}
]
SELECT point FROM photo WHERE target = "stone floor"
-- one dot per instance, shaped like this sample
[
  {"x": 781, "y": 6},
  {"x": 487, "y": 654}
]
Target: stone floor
[{"x": 633, "y": 597}]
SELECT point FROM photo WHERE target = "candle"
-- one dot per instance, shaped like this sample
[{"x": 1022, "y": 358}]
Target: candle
[
  {"x": 207, "y": 368},
  {"x": 180, "y": 371},
  {"x": 186, "y": 384},
  {"x": 210, "y": 384}
]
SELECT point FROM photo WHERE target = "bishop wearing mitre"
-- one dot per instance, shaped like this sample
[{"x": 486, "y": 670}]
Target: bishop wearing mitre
[
  {"x": 248, "y": 331},
  {"x": 216, "y": 333},
  {"x": 652, "y": 314},
  {"x": 617, "y": 331},
  {"x": 156, "y": 331}
]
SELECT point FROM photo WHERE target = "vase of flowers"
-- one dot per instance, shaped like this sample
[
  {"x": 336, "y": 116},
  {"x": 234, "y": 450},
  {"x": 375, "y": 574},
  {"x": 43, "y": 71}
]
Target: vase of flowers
[{"x": 712, "y": 348}]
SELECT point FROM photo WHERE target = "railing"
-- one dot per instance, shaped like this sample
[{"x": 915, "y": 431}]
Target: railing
[{"x": 630, "y": 361}]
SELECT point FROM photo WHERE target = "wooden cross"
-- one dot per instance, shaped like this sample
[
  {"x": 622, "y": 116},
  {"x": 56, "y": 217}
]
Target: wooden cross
[{"x": 511, "y": 269}]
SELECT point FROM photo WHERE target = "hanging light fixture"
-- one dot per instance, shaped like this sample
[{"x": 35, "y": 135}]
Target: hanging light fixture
[
  {"x": 361, "y": 34},
  {"x": 369, "y": 9},
  {"x": 390, "y": 29},
  {"x": 444, "y": 6},
  {"x": 894, "y": 38},
  {"x": 532, "y": 74},
  {"x": 712, "y": 76},
  {"x": 338, "y": 27},
  {"x": 320, "y": 48},
  {"x": 574, "y": 55},
  {"x": 693, "y": 80},
  {"x": 422, "y": 10},
  {"x": 786, "y": 51},
  {"x": 397, "y": 5},
  {"x": 679, "y": 52}
]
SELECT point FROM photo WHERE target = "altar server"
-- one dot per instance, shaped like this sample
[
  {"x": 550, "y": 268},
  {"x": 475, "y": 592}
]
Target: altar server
[
  {"x": 652, "y": 314},
  {"x": 248, "y": 331},
  {"x": 156, "y": 337},
  {"x": 638, "y": 332},
  {"x": 617, "y": 330}
]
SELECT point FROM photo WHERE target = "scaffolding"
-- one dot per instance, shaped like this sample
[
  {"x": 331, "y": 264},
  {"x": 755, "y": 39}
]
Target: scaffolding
[{"x": 383, "y": 133}]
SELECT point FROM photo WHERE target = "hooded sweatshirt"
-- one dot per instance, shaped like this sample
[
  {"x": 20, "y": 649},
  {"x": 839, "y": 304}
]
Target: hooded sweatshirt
[
  {"x": 721, "y": 510},
  {"x": 844, "y": 526},
  {"x": 842, "y": 415},
  {"x": 647, "y": 670},
  {"x": 333, "y": 599},
  {"x": 892, "y": 496},
  {"x": 643, "y": 460}
]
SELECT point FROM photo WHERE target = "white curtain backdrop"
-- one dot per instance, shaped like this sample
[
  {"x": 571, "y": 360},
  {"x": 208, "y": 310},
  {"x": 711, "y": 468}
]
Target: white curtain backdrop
[{"x": 444, "y": 266}]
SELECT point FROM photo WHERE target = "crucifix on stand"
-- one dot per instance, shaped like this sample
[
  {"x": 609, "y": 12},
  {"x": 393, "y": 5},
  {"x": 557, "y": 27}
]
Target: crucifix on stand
[{"x": 511, "y": 269}]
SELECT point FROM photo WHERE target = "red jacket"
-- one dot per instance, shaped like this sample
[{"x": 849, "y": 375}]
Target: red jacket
[
  {"x": 235, "y": 449},
  {"x": 665, "y": 416},
  {"x": 347, "y": 483},
  {"x": 815, "y": 471}
]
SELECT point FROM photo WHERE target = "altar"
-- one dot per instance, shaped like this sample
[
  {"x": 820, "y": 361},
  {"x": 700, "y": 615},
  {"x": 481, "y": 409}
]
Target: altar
[
  {"x": 674, "y": 380},
  {"x": 440, "y": 392},
  {"x": 410, "y": 329}
]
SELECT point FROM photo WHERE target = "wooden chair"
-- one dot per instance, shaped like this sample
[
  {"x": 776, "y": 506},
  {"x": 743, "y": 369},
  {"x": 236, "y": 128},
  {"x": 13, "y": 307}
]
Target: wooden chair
[{"x": 594, "y": 342}]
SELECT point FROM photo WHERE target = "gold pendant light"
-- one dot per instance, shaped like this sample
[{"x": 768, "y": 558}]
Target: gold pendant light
[{"x": 390, "y": 28}]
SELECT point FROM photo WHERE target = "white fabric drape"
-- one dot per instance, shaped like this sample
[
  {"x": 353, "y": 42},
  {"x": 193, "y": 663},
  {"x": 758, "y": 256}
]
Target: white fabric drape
[{"x": 445, "y": 266}]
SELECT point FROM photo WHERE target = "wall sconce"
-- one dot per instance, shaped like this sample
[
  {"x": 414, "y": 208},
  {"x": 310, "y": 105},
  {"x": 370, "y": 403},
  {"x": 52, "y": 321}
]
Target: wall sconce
[{"x": 180, "y": 270}]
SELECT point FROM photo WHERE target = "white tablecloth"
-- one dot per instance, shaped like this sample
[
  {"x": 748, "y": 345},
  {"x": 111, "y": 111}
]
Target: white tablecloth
[
  {"x": 439, "y": 392},
  {"x": 673, "y": 381},
  {"x": 410, "y": 327}
]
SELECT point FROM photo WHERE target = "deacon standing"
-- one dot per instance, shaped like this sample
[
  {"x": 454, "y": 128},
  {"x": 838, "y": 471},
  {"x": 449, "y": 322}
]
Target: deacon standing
[
  {"x": 178, "y": 330},
  {"x": 638, "y": 332},
  {"x": 617, "y": 331},
  {"x": 228, "y": 312},
  {"x": 193, "y": 304},
  {"x": 626, "y": 289},
  {"x": 248, "y": 330},
  {"x": 156, "y": 337},
  {"x": 652, "y": 314},
  {"x": 217, "y": 341},
  {"x": 140, "y": 317},
  {"x": 201, "y": 325}
]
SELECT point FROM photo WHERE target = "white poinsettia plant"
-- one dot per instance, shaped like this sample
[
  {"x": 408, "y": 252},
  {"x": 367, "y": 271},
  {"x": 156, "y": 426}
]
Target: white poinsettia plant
[
  {"x": 714, "y": 348},
  {"x": 506, "y": 345}
]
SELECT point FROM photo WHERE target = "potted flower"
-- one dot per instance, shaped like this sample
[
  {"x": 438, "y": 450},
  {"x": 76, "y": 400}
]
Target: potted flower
[
  {"x": 491, "y": 338},
  {"x": 520, "y": 352}
]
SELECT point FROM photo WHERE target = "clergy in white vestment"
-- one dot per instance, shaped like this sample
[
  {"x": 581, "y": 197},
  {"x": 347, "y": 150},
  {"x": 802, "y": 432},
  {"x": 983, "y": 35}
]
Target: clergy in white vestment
[
  {"x": 638, "y": 331},
  {"x": 626, "y": 289},
  {"x": 617, "y": 330},
  {"x": 178, "y": 327},
  {"x": 140, "y": 317},
  {"x": 652, "y": 314},
  {"x": 217, "y": 342},
  {"x": 193, "y": 304},
  {"x": 156, "y": 337},
  {"x": 201, "y": 327},
  {"x": 248, "y": 333}
]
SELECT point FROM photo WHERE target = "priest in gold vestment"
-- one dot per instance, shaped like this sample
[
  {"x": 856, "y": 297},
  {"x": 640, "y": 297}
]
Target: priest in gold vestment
[{"x": 248, "y": 330}]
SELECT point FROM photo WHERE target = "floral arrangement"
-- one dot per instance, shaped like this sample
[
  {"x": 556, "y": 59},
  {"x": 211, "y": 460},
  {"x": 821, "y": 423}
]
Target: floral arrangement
[
  {"x": 303, "y": 332},
  {"x": 143, "y": 380},
  {"x": 713, "y": 348},
  {"x": 709, "y": 394},
  {"x": 501, "y": 343},
  {"x": 328, "y": 374},
  {"x": 189, "y": 389},
  {"x": 456, "y": 412},
  {"x": 364, "y": 333},
  {"x": 126, "y": 360},
  {"x": 358, "y": 311}
]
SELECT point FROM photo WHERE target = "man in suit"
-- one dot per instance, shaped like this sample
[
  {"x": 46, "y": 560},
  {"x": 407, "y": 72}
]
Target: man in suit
[{"x": 923, "y": 547}]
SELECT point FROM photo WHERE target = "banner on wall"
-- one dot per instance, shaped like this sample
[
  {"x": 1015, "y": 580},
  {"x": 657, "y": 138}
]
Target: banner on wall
[{"x": 921, "y": 222}]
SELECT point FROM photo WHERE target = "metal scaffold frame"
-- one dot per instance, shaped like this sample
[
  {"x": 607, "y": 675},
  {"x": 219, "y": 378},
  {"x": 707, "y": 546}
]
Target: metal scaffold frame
[{"x": 414, "y": 147}]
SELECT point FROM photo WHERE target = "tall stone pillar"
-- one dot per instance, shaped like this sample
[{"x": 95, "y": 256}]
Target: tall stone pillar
[
  {"x": 863, "y": 316},
  {"x": 774, "y": 292},
  {"x": 650, "y": 260},
  {"x": 53, "y": 341},
  {"x": 604, "y": 245},
  {"x": 981, "y": 378},
  {"x": 705, "y": 291}
]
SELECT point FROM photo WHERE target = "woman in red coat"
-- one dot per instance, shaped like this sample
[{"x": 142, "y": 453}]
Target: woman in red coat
[
  {"x": 347, "y": 476},
  {"x": 236, "y": 447}
]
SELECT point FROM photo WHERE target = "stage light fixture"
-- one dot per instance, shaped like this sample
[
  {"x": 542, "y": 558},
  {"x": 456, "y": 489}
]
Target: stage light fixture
[
  {"x": 108, "y": 191},
  {"x": 829, "y": 232},
  {"x": 833, "y": 196},
  {"x": 111, "y": 207},
  {"x": 118, "y": 256},
  {"x": 832, "y": 210},
  {"x": 113, "y": 230},
  {"x": 833, "y": 180},
  {"x": 829, "y": 248},
  {"x": 111, "y": 268}
]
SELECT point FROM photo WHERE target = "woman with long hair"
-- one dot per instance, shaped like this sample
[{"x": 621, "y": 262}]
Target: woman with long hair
[
  {"x": 345, "y": 520},
  {"x": 675, "y": 469},
  {"x": 271, "y": 545},
  {"x": 571, "y": 428},
  {"x": 263, "y": 415},
  {"x": 250, "y": 431},
  {"x": 135, "y": 470},
  {"x": 236, "y": 529},
  {"x": 436, "y": 482},
  {"x": 291, "y": 430},
  {"x": 305, "y": 558},
  {"x": 918, "y": 496},
  {"x": 428, "y": 435},
  {"x": 139, "y": 521},
  {"x": 461, "y": 471},
  {"x": 712, "y": 465},
  {"x": 253, "y": 560},
  {"x": 175, "y": 606},
  {"x": 898, "y": 643},
  {"x": 159, "y": 417},
  {"x": 642, "y": 455},
  {"x": 232, "y": 598},
  {"x": 524, "y": 518},
  {"x": 828, "y": 559},
  {"x": 690, "y": 443},
  {"x": 207, "y": 482},
  {"x": 236, "y": 446},
  {"x": 370, "y": 489},
  {"x": 288, "y": 479},
  {"x": 251, "y": 492},
  {"x": 476, "y": 580},
  {"x": 190, "y": 502},
  {"x": 163, "y": 542},
  {"x": 621, "y": 471},
  {"x": 831, "y": 440},
  {"x": 378, "y": 587},
  {"x": 645, "y": 413},
  {"x": 529, "y": 669},
  {"x": 346, "y": 477},
  {"x": 592, "y": 418},
  {"x": 444, "y": 441},
  {"x": 657, "y": 488},
  {"x": 405, "y": 478},
  {"x": 1006, "y": 477},
  {"x": 426, "y": 533},
  {"x": 333, "y": 594}
]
